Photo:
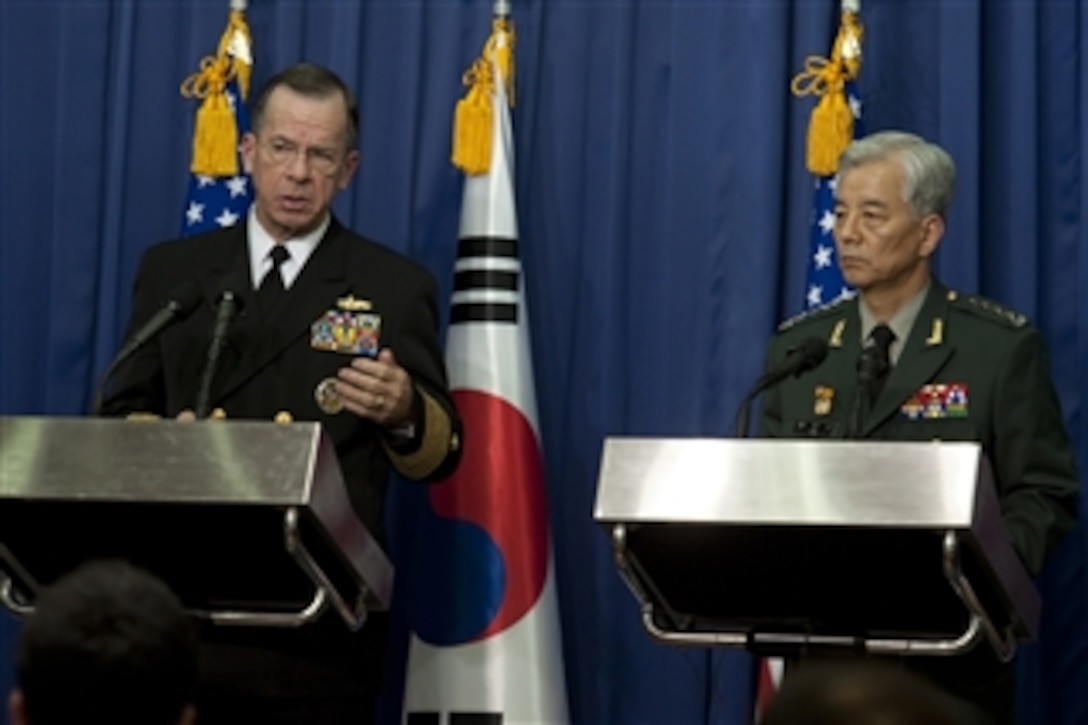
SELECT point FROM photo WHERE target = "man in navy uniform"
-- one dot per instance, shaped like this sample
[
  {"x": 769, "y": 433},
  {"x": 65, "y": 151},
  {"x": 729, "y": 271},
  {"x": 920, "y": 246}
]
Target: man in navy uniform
[
  {"x": 334, "y": 328},
  {"x": 938, "y": 365}
]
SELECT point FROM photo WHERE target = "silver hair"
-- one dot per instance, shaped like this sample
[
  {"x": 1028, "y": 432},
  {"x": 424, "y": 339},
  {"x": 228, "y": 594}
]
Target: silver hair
[{"x": 929, "y": 174}]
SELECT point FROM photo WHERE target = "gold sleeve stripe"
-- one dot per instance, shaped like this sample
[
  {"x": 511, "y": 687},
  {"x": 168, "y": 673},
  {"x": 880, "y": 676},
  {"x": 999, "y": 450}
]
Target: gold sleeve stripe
[{"x": 438, "y": 441}]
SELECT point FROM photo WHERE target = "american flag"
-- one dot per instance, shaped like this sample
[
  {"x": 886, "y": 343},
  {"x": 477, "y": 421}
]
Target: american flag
[
  {"x": 823, "y": 281},
  {"x": 219, "y": 201}
]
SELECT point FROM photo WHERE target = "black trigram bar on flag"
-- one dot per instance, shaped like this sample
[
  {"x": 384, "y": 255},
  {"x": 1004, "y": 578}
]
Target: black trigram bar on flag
[{"x": 486, "y": 279}]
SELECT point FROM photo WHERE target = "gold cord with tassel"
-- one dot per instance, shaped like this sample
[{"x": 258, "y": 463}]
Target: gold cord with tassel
[
  {"x": 215, "y": 132},
  {"x": 473, "y": 117},
  {"x": 831, "y": 125}
]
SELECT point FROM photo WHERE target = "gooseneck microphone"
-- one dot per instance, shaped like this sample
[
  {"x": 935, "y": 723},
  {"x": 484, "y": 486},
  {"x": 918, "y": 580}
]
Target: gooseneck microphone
[
  {"x": 799, "y": 360},
  {"x": 226, "y": 307},
  {"x": 179, "y": 305}
]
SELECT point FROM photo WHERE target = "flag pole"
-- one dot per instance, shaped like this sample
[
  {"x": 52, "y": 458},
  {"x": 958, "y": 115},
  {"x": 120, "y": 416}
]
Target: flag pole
[{"x": 834, "y": 123}]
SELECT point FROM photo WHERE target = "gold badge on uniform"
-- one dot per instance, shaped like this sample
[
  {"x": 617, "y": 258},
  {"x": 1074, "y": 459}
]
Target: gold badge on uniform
[
  {"x": 823, "y": 397},
  {"x": 349, "y": 329},
  {"x": 351, "y": 303},
  {"x": 836, "y": 334},
  {"x": 327, "y": 398},
  {"x": 936, "y": 334}
]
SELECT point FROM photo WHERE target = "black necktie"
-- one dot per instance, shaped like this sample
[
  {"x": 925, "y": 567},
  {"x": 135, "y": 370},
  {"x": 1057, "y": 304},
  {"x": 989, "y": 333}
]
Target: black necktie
[
  {"x": 272, "y": 289},
  {"x": 882, "y": 338}
]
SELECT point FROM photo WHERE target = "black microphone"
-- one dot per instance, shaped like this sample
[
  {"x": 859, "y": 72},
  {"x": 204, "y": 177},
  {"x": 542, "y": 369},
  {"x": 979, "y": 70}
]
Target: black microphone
[
  {"x": 180, "y": 304},
  {"x": 226, "y": 307},
  {"x": 872, "y": 365},
  {"x": 799, "y": 360}
]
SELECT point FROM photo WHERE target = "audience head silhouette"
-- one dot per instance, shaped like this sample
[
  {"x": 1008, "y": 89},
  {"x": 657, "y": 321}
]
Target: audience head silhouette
[
  {"x": 106, "y": 643},
  {"x": 861, "y": 693}
]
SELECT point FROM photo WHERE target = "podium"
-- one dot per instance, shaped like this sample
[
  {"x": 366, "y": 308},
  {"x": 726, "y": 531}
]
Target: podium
[
  {"x": 783, "y": 546},
  {"x": 250, "y": 523}
]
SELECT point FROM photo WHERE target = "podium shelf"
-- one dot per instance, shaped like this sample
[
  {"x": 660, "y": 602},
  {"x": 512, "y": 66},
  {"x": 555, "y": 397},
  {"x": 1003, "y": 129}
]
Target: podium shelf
[
  {"x": 249, "y": 522},
  {"x": 780, "y": 546}
]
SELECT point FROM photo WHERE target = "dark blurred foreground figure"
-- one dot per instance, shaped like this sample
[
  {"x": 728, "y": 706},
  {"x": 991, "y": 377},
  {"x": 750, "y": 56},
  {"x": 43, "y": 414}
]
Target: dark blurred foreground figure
[
  {"x": 107, "y": 643},
  {"x": 862, "y": 693}
]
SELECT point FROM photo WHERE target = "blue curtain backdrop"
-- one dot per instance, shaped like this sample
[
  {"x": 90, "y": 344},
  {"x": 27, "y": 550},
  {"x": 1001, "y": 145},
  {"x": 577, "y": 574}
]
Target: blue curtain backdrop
[{"x": 664, "y": 219}]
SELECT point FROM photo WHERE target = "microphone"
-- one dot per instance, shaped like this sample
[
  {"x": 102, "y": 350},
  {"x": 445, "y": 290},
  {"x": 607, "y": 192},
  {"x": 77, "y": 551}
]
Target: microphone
[
  {"x": 799, "y": 360},
  {"x": 872, "y": 364},
  {"x": 181, "y": 303},
  {"x": 226, "y": 307}
]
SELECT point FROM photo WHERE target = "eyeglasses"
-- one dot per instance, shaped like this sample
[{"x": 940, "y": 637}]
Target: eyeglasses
[{"x": 280, "y": 152}]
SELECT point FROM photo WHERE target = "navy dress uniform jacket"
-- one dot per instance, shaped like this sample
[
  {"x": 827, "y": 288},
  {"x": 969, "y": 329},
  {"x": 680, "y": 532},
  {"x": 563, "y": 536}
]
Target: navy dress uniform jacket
[{"x": 269, "y": 365}]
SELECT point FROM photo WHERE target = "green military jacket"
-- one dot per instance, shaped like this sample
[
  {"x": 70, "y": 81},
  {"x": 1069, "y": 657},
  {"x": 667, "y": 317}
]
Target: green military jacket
[{"x": 969, "y": 371}]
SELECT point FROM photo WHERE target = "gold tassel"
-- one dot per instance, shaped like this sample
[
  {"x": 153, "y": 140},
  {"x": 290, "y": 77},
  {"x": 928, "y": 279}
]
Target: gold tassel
[
  {"x": 474, "y": 116},
  {"x": 472, "y": 120},
  {"x": 215, "y": 132},
  {"x": 215, "y": 135},
  {"x": 831, "y": 125}
]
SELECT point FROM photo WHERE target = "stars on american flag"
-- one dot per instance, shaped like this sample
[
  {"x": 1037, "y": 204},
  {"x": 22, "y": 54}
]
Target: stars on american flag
[
  {"x": 194, "y": 214},
  {"x": 238, "y": 186},
  {"x": 855, "y": 105},
  {"x": 216, "y": 202},
  {"x": 227, "y": 218},
  {"x": 824, "y": 280}
]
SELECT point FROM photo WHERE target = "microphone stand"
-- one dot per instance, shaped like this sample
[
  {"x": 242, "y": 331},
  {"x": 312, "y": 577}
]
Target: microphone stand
[
  {"x": 806, "y": 356},
  {"x": 740, "y": 423},
  {"x": 225, "y": 311},
  {"x": 870, "y": 368},
  {"x": 177, "y": 308}
]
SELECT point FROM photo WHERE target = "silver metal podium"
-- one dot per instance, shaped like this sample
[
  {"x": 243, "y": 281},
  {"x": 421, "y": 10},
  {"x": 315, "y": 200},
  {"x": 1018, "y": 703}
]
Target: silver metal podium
[
  {"x": 249, "y": 522},
  {"x": 782, "y": 546}
]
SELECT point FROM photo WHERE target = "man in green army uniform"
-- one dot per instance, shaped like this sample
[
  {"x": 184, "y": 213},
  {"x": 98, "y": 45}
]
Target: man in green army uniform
[{"x": 909, "y": 359}]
